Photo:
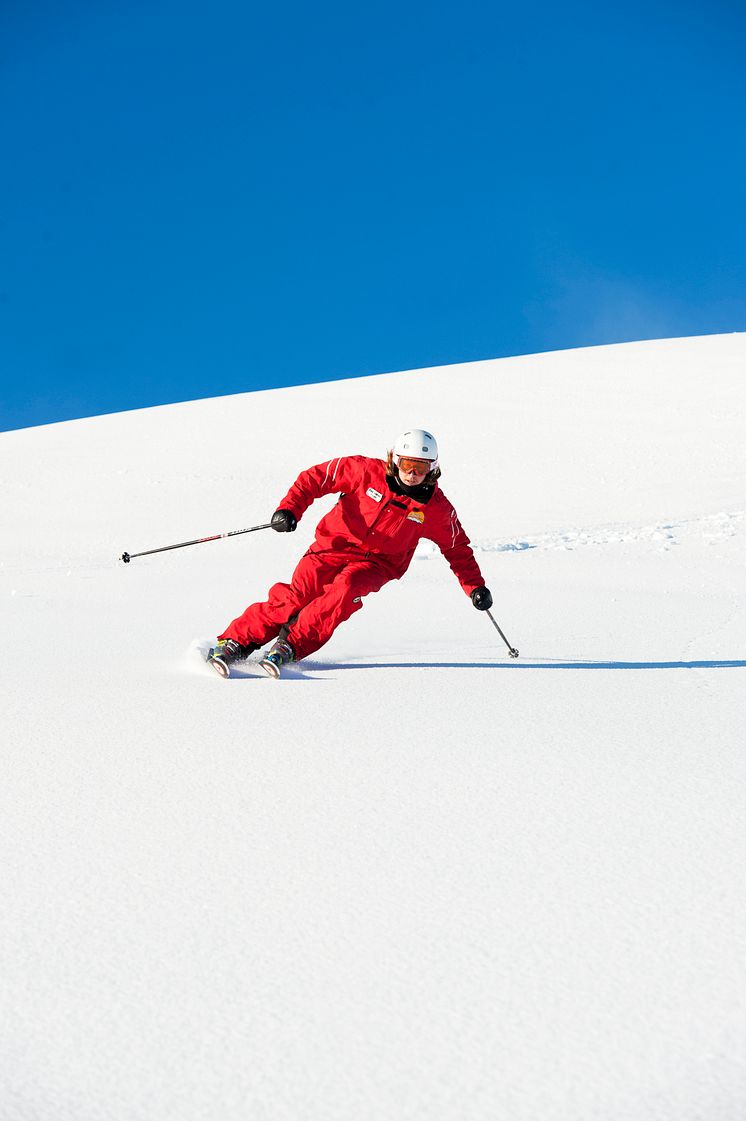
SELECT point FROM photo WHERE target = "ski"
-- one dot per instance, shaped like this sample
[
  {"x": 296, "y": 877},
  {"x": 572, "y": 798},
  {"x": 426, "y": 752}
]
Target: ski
[
  {"x": 270, "y": 667},
  {"x": 218, "y": 664},
  {"x": 223, "y": 667},
  {"x": 223, "y": 655}
]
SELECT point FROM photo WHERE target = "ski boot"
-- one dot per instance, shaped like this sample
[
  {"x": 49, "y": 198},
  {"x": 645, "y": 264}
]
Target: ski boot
[
  {"x": 281, "y": 653},
  {"x": 226, "y": 652}
]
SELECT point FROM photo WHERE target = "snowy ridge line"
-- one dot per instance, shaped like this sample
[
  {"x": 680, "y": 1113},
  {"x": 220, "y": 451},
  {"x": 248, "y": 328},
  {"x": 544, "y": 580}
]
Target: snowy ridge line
[{"x": 713, "y": 528}]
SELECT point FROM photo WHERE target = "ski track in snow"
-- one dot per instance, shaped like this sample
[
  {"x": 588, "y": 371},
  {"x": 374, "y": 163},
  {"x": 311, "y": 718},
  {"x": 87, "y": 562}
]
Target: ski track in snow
[{"x": 714, "y": 528}]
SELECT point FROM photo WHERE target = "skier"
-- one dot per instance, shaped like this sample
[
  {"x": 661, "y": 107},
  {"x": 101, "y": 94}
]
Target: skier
[{"x": 367, "y": 539}]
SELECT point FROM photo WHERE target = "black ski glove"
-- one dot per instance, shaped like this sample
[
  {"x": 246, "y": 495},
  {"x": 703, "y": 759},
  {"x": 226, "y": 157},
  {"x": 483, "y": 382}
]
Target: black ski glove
[
  {"x": 284, "y": 521},
  {"x": 482, "y": 598}
]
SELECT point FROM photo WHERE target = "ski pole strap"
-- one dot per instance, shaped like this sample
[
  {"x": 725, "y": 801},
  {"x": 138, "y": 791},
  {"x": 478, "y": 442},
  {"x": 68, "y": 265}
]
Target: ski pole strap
[{"x": 127, "y": 557}]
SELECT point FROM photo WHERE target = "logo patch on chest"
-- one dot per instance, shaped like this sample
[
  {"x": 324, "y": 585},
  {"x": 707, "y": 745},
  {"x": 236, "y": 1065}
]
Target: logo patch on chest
[
  {"x": 416, "y": 516},
  {"x": 374, "y": 494}
]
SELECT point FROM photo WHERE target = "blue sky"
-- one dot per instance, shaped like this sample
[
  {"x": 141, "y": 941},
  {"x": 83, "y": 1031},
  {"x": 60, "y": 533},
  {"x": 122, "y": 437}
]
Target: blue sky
[{"x": 199, "y": 199}]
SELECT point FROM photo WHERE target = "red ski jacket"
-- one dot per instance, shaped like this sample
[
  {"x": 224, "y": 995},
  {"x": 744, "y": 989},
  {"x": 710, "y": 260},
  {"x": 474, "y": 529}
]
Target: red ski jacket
[{"x": 372, "y": 520}]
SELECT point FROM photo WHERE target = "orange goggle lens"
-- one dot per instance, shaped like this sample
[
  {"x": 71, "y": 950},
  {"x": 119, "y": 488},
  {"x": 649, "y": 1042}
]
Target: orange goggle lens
[{"x": 421, "y": 466}]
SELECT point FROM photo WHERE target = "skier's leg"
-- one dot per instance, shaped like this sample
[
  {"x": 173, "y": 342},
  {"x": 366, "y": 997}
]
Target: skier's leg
[
  {"x": 261, "y": 622},
  {"x": 317, "y": 620}
]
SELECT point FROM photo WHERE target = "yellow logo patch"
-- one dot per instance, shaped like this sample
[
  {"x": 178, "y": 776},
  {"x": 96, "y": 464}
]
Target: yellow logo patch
[{"x": 416, "y": 516}]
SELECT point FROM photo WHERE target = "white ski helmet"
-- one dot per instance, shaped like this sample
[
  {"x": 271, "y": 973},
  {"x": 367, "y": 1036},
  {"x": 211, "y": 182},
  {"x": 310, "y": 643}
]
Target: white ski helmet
[{"x": 416, "y": 443}]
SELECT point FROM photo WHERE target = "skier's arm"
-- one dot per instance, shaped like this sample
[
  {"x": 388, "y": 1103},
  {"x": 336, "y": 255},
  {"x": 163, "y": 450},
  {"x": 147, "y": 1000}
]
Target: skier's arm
[
  {"x": 448, "y": 534},
  {"x": 331, "y": 477}
]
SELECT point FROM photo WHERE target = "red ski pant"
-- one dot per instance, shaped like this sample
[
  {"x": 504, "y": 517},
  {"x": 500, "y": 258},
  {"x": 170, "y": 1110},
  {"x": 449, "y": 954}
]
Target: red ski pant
[{"x": 325, "y": 589}]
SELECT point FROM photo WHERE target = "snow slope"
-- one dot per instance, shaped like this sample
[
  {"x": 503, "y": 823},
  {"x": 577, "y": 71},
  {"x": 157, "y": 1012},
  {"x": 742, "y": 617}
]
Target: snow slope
[{"x": 415, "y": 879}]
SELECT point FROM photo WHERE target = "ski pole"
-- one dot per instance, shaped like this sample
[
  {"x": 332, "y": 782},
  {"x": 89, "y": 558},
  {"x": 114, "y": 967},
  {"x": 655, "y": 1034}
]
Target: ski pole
[
  {"x": 127, "y": 557},
  {"x": 511, "y": 649}
]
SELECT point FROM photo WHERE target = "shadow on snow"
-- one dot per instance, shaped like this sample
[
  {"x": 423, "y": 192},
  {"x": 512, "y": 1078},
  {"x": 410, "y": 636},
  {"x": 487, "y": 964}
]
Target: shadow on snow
[{"x": 730, "y": 663}]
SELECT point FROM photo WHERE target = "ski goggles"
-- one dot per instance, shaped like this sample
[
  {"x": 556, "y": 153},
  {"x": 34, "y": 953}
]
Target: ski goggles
[{"x": 420, "y": 466}]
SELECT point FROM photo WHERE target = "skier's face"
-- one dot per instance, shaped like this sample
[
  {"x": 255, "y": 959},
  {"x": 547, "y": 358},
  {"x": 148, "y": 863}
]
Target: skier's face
[{"x": 413, "y": 471}]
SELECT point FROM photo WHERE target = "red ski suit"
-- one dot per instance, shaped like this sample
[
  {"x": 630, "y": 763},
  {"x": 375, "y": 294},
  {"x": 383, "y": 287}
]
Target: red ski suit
[{"x": 367, "y": 539}]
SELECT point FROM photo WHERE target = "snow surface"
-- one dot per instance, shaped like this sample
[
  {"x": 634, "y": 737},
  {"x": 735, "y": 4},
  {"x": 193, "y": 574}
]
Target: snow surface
[{"x": 415, "y": 879}]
